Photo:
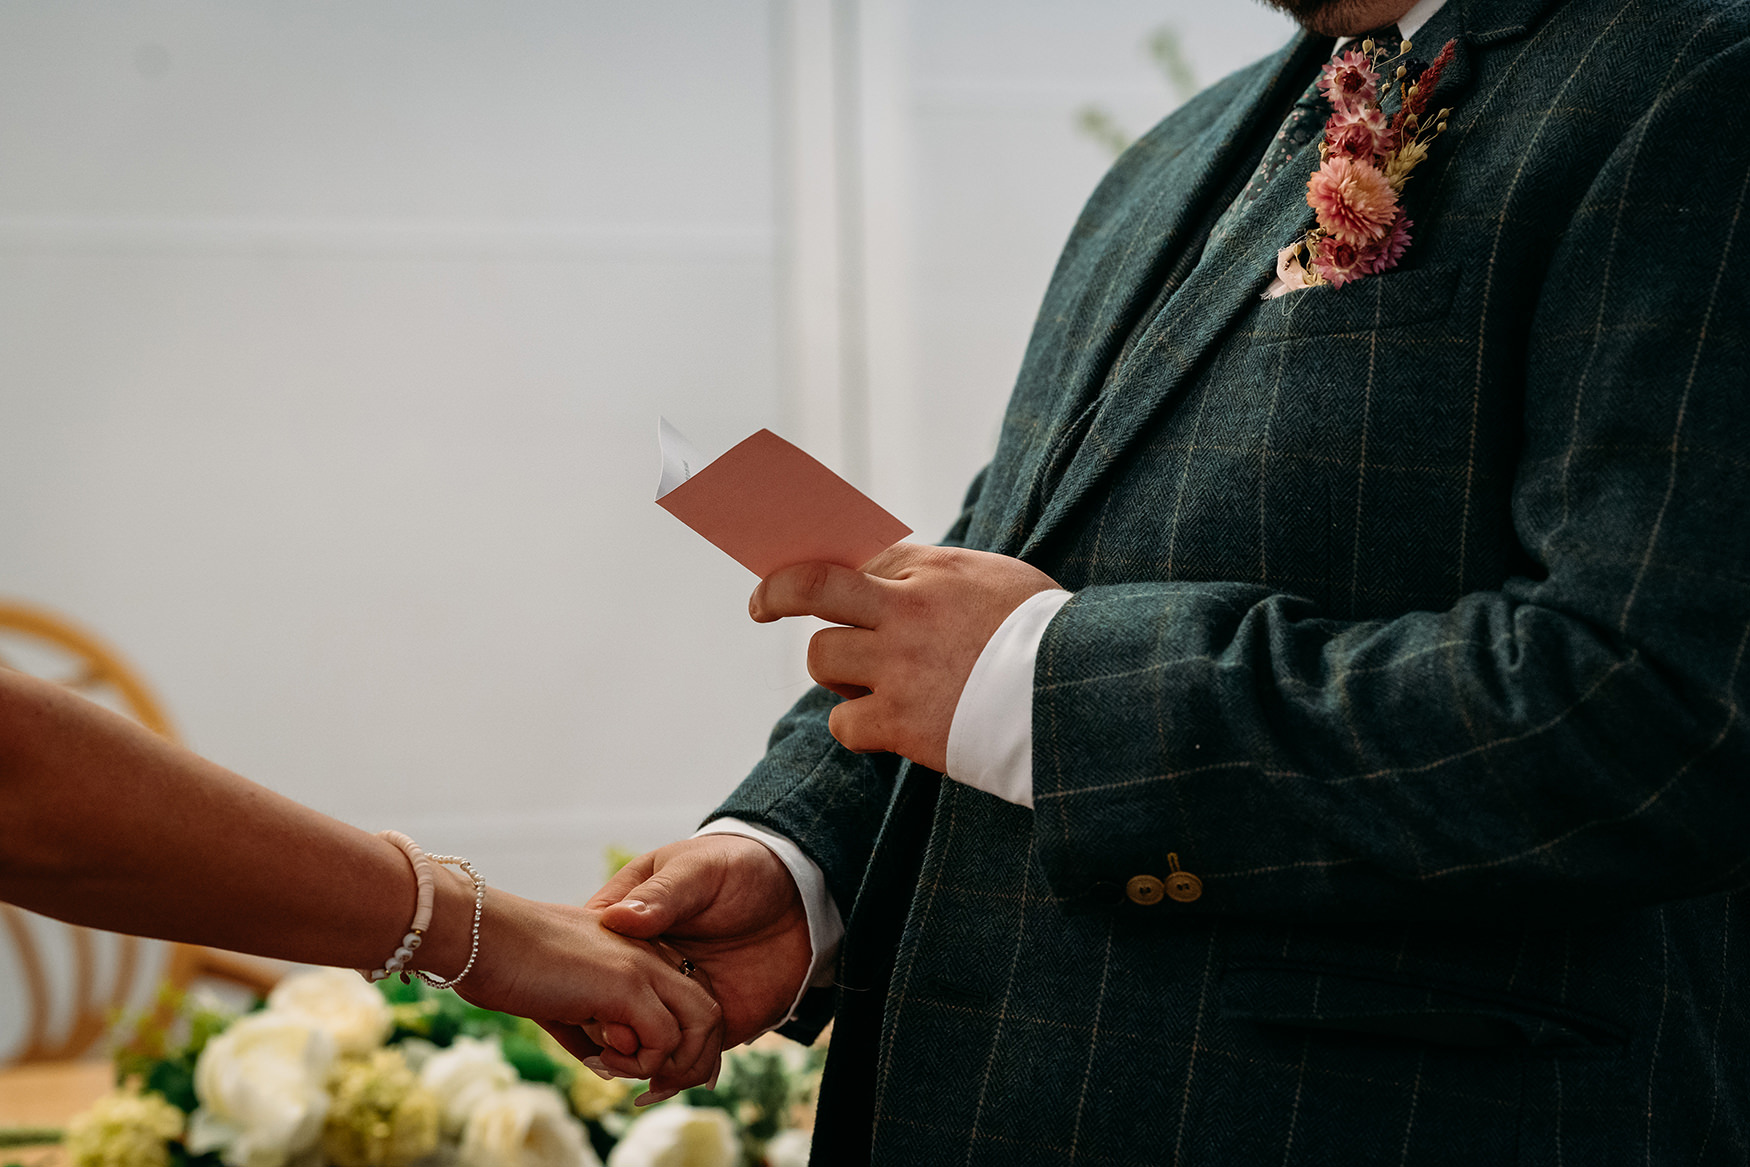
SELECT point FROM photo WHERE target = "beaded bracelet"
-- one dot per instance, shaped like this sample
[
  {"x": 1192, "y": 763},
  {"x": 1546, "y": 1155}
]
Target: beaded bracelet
[
  {"x": 422, "y": 874},
  {"x": 474, "y": 939}
]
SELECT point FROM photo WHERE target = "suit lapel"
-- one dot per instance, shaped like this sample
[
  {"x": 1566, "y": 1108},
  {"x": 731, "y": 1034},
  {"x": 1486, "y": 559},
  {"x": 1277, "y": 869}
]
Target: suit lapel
[
  {"x": 1116, "y": 265},
  {"x": 1161, "y": 363}
]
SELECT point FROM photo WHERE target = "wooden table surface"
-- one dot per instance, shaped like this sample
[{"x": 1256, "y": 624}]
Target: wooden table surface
[{"x": 47, "y": 1095}]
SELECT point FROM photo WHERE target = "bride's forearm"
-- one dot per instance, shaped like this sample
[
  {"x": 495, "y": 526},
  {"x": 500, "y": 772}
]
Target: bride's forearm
[{"x": 103, "y": 823}]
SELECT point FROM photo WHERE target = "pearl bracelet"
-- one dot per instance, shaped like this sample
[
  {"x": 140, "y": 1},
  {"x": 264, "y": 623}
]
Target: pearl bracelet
[
  {"x": 423, "y": 875},
  {"x": 474, "y": 939}
]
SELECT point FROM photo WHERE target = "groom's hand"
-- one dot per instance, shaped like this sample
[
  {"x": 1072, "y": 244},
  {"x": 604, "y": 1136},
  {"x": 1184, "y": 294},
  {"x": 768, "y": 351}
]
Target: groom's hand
[
  {"x": 730, "y": 906},
  {"x": 916, "y": 620}
]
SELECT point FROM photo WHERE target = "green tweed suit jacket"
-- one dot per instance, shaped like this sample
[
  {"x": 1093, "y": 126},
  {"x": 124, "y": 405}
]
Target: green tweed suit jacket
[{"x": 1410, "y": 617}]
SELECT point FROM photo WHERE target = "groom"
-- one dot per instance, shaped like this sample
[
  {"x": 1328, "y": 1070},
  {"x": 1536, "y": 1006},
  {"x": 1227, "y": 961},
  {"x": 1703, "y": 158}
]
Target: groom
[{"x": 1341, "y": 696}]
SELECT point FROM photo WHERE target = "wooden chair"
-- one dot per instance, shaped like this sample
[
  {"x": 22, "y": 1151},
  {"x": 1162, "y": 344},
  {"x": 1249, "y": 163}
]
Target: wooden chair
[{"x": 76, "y": 979}]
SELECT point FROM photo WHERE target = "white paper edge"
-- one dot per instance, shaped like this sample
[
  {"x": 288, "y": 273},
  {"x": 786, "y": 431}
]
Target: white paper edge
[{"x": 680, "y": 461}]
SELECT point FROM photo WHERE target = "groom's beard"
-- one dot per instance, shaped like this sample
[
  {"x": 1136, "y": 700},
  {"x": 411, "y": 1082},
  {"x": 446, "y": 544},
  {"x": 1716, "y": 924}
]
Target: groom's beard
[{"x": 1343, "y": 17}]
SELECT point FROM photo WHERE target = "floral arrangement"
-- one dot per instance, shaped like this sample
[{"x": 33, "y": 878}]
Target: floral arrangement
[
  {"x": 333, "y": 1072},
  {"x": 1364, "y": 161}
]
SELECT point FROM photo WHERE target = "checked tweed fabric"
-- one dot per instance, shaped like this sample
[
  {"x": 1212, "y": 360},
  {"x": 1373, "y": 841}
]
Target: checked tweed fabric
[{"x": 1411, "y": 616}]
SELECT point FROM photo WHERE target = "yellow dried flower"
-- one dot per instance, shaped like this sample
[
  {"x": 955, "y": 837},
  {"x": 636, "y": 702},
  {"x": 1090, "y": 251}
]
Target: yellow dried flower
[
  {"x": 124, "y": 1129},
  {"x": 1407, "y": 158},
  {"x": 380, "y": 1115},
  {"x": 593, "y": 1097}
]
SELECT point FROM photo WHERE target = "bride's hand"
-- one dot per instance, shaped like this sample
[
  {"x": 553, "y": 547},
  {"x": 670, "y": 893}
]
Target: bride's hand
[{"x": 557, "y": 965}]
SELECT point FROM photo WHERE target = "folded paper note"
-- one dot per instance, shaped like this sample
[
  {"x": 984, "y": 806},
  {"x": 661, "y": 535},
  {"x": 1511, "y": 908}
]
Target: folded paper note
[{"x": 770, "y": 505}]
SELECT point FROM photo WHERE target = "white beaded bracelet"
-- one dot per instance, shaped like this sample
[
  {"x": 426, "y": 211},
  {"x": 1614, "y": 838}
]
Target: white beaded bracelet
[{"x": 422, "y": 874}]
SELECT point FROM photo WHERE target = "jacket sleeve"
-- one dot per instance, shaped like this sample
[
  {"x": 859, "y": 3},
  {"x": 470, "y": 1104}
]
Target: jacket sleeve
[{"x": 1571, "y": 744}]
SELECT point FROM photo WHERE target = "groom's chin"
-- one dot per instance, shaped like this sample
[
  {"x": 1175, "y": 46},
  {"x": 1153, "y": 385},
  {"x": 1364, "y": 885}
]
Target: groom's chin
[{"x": 1343, "y": 17}]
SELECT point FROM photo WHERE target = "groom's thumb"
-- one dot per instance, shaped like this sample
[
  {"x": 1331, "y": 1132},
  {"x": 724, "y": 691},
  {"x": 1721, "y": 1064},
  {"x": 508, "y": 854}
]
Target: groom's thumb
[{"x": 656, "y": 905}]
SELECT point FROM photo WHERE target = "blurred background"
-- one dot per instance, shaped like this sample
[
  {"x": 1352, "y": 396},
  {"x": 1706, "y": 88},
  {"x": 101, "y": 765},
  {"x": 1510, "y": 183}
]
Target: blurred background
[{"x": 334, "y": 338}]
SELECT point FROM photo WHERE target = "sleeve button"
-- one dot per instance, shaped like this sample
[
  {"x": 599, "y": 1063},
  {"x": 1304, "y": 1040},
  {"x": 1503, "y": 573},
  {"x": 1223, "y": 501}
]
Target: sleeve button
[
  {"x": 1181, "y": 885},
  {"x": 1184, "y": 887},
  {"x": 1144, "y": 889}
]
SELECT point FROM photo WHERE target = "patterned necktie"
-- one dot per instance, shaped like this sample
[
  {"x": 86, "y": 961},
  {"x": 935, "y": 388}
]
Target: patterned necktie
[{"x": 1305, "y": 121}]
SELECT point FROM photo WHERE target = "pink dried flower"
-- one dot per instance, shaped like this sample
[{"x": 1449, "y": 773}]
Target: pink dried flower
[
  {"x": 1361, "y": 134},
  {"x": 1352, "y": 199},
  {"x": 1391, "y": 246},
  {"x": 1338, "y": 262},
  {"x": 1349, "y": 82}
]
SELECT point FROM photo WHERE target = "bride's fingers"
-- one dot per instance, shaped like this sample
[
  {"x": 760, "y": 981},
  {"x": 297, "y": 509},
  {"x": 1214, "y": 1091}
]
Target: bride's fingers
[
  {"x": 703, "y": 1072},
  {"x": 695, "y": 1062}
]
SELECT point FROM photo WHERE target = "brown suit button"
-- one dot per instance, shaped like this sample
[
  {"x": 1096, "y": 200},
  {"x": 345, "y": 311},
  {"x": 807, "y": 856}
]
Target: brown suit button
[
  {"x": 1144, "y": 889},
  {"x": 1184, "y": 887}
]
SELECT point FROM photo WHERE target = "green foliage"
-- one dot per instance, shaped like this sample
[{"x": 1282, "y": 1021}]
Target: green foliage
[
  {"x": 179, "y": 1157},
  {"x": 618, "y": 857},
  {"x": 174, "y": 1078},
  {"x": 1167, "y": 52},
  {"x": 528, "y": 1056},
  {"x": 1098, "y": 124},
  {"x": 159, "y": 1046},
  {"x": 440, "y": 1017}
]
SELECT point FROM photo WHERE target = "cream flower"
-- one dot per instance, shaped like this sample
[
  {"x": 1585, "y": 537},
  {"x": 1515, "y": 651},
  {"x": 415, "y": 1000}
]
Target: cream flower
[
  {"x": 260, "y": 1085},
  {"x": 593, "y": 1097},
  {"x": 788, "y": 1149},
  {"x": 679, "y": 1136},
  {"x": 525, "y": 1125},
  {"x": 463, "y": 1076},
  {"x": 338, "y": 1002},
  {"x": 380, "y": 1115},
  {"x": 1354, "y": 202},
  {"x": 1291, "y": 273},
  {"x": 124, "y": 1129}
]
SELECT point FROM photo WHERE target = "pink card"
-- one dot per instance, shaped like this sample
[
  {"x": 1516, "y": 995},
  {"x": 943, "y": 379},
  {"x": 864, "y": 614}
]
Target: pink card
[{"x": 770, "y": 505}]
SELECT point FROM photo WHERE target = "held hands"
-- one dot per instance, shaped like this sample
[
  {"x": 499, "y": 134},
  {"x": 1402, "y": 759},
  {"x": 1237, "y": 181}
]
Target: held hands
[
  {"x": 730, "y": 906},
  {"x": 559, "y": 966},
  {"x": 916, "y": 619}
]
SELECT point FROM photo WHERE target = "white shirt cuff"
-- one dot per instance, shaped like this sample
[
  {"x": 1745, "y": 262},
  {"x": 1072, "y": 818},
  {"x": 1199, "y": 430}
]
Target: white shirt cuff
[
  {"x": 990, "y": 740},
  {"x": 825, "y": 926}
]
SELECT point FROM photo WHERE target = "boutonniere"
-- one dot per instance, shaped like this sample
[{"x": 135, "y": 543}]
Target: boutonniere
[{"x": 1364, "y": 161}]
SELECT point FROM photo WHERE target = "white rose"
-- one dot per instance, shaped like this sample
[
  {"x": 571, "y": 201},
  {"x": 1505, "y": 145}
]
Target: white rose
[
  {"x": 525, "y": 1125},
  {"x": 788, "y": 1149},
  {"x": 261, "y": 1086},
  {"x": 463, "y": 1076},
  {"x": 679, "y": 1136},
  {"x": 338, "y": 1002}
]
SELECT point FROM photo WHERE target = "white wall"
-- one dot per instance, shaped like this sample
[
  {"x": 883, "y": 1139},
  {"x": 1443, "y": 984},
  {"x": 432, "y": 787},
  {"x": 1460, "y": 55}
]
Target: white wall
[{"x": 334, "y": 336}]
